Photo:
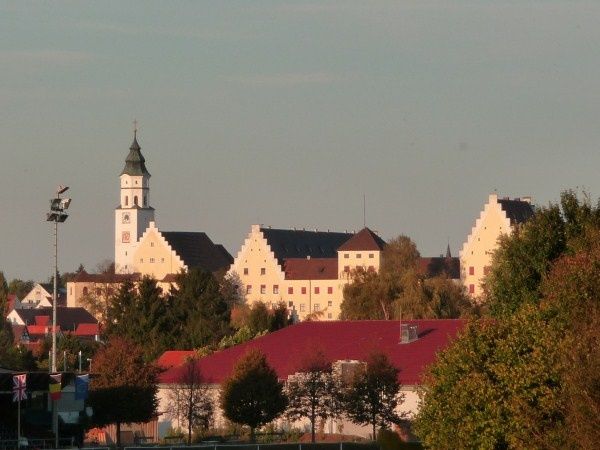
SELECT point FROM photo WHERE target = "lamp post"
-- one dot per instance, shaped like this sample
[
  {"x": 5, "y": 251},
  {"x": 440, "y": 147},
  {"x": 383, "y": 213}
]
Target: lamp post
[{"x": 57, "y": 214}]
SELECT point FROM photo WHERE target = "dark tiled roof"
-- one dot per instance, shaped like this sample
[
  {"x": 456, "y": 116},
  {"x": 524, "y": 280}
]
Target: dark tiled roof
[
  {"x": 365, "y": 239},
  {"x": 84, "y": 277},
  {"x": 311, "y": 269},
  {"x": 517, "y": 211},
  {"x": 66, "y": 318},
  {"x": 338, "y": 340},
  {"x": 135, "y": 164},
  {"x": 300, "y": 243},
  {"x": 197, "y": 250},
  {"x": 432, "y": 267}
]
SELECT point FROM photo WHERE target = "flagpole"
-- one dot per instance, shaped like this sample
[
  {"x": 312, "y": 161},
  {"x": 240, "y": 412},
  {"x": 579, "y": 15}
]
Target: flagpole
[{"x": 19, "y": 422}]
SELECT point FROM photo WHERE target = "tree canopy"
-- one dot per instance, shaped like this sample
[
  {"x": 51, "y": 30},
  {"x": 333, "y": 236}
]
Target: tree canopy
[{"x": 252, "y": 395}]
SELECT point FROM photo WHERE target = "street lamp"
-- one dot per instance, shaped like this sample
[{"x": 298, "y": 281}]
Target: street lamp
[{"x": 57, "y": 214}]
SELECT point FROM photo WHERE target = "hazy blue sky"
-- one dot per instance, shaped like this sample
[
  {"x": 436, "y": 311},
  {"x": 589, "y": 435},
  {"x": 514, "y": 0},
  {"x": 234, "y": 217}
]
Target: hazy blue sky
[{"x": 285, "y": 113}]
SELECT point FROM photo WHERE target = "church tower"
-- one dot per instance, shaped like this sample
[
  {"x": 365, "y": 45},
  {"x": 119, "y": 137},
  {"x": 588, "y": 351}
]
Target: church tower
[{"x": 134, "y": 213}]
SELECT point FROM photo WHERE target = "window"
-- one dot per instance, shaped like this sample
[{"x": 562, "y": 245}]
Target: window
[
  {"x": 162, "y": 260},
  {"x": 249, "y": 289},
  {"x": 329, "y": 303},
  {"x": 486, "y": 270},
  {"x": 372, "y": 268},
  {"x": 301, "y": 307},
  {"x": 290, "y": 304},
  {"x": 263, "y": 271},
  {"x": 126, "y": 200},
  {"x": 245, "y": 271},
  {"x": 290, "y": 290},
  {"x": 316, "y": 307},
  {"x": 151, "y": 260},
  {"x": 471, "y": 289},
  {"x": 98, "y": 291},
  {"x": 135, "y": 200},
  {"x": 358, "y": 256},
  {"x": 141, "y": 260},
  {"x": 346, "y": 255},
  {"x": 151, "y": 244},
  {"x": 275, "y": 289},
  {"x": 346, "y": 268},
  {"x": 371, "y": 256},
  {"x": 471, "y": 270},
  {"x": 330, "y": 290},
  {"x": 303, "y": 290},
  {"x": 263, "y": 288},
  {"x": 329, "y": 316},
  {"x": 317, "y": 290},
  {"x": 85, "y": 291}
]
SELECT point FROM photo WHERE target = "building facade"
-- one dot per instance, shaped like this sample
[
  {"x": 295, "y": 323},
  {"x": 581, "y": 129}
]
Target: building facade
[
  {"x": 499, "y": 216},
  {"x": 307, "y": 270}
]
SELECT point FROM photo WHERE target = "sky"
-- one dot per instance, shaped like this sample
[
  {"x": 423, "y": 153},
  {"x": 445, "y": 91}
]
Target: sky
[{"x": 288, "y": 114}]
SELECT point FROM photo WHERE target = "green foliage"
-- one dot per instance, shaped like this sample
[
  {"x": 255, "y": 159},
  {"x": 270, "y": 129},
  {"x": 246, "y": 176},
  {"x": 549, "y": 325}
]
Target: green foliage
[
  {"x": 123, "y": 387},
  {"x": 374, "y": 394},
  {"x": 390, "y": 440},
  {"x": 242, "y": 335},
  {"x": 252, "y": 395},
  {"x": 19, "y": 287},
  {"x": 259, "y": 318},
  {"x": 525, "y": 257},
  {"x": 497, "y": 386}
]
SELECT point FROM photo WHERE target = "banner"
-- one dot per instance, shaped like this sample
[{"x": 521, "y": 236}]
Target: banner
[
  {"x": 19, "y": 387},
  {"x": 82, "y": 383},
  {"x": 55, "y": 386}
]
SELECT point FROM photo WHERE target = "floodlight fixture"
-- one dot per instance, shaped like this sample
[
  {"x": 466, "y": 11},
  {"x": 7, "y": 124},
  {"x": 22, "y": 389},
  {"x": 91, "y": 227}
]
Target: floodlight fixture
[
  {"x": 64, "y": 203},
  {"x": 61, "y": 189}
]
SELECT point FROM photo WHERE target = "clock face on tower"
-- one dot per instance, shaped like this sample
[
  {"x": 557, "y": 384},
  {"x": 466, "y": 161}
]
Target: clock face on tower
[
  {"x": 125, "y": 236},
  {"x": 126, "y": 217}
]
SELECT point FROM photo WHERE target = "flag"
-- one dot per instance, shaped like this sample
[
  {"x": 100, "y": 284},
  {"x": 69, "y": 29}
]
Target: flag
[
  {"x": 19, "y": 387},
  {"x": 81, "y": 387},
  {"x": 55, "y": 386}
]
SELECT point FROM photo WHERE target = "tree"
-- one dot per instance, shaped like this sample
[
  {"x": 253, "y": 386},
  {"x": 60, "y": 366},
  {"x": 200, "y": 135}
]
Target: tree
[
  {"x": 279, "y": 317},
  {"x": 374, "y": 394},
  {"x": 123, "y": 387},
  {"x": 252, "y": 395},
  {"x": 199, "y": 309},
  {"x": 19, "y": 287},
  {"x": 259, "y": 319},
  {"x": 312, "y": 391},
  {"x": 190, "y": 400},
  {"x": 497, "y": 386}
]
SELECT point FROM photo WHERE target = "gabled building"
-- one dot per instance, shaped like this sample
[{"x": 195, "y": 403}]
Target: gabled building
[
  {"x": 307, "y": 270},
  {"x": 41, "y": 296},
  {"x": 499, "y": 216}
]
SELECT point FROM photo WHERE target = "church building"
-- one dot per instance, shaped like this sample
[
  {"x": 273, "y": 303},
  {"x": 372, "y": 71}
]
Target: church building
[{"x": 141, "y": 248}]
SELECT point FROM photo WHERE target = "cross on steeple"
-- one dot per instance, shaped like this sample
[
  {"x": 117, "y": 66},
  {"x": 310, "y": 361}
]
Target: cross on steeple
[{"x": 135, "y": 127}]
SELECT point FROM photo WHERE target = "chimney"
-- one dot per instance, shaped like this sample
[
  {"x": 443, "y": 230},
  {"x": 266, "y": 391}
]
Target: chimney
[{"x": 408, "y": 333}]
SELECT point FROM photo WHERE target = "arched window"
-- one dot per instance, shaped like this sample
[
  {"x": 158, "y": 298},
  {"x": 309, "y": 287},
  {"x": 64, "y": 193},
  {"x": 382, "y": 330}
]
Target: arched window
[
  {"x": 135, "y": 200},
  {"x": 126, "y": 200}
]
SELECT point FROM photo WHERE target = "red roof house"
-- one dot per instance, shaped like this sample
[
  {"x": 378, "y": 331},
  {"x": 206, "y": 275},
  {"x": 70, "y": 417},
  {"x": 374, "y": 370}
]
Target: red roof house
[{"x": 340, "y": 340}]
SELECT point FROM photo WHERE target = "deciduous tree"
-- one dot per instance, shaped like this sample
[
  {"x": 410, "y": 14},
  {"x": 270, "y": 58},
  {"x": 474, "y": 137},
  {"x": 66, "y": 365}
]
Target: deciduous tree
[
  {"x": 312, "y": 392},
  {"x": 374, "y": 394},
  {"x": 190, "y": 400},
  {"x": 252, "y": 395},
  {"x": 123, "y": 387}
]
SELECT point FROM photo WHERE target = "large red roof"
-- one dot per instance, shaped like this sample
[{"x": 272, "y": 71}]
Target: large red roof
[
  {"x": 311, "y": 269},
  {"x": 173, "y": 358},
  {"x": 338, "y": 340}
]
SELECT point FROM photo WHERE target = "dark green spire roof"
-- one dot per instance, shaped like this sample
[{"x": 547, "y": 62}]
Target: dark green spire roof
[{"x": 135, "y": 162}]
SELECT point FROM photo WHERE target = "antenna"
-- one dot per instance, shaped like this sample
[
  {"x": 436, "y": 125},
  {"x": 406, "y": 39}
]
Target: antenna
[{"x": 364, "y": 211}]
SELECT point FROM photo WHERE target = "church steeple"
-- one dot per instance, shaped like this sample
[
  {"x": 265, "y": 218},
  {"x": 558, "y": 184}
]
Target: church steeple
[{"x": 135, "y": 162}]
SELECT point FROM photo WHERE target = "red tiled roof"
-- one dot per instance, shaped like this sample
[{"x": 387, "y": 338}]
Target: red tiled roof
[
  {"x": 173, "y": 358},
  {"x": 365, "y": 239},
  {"x": 87, "y": 329},
  {"x": 170, "y": 278},
  {"x": 105, "y": 278},
  {"x": 339, "y": 340},
  {"x": 37, "y": 330},
  {"x": 42, "y": 320},
  {"x": 311, "y": 269}
]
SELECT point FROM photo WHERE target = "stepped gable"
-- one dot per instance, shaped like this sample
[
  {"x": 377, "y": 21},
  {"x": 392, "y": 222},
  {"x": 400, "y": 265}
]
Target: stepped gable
[
  {"x": 197, "y": 250},
  {"x": 311, "y": 269},
  {"x": 66, "y": 318},
  {"x": 365, "y": 239},
  {"x": 287, "y": 244},
  {"x": 338, "y": 340},
  {"x": 435, "y": 266},
  {"x": 516, "y": 210}
]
